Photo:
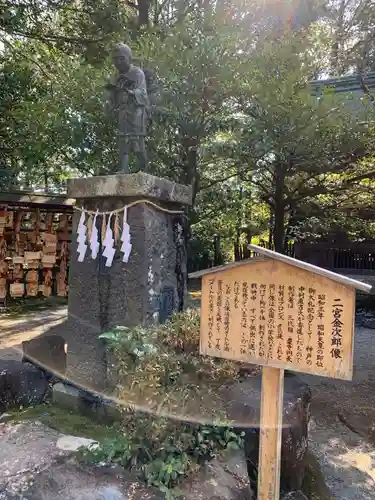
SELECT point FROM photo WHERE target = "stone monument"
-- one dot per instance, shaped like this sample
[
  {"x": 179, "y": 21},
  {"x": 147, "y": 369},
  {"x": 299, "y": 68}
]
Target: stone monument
[
  {"x": 144, "y": 290},
  {"x": 152, "y": 283}
]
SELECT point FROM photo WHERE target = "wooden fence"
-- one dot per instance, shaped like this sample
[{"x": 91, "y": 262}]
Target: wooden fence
[{"x": 349, "y": 257}]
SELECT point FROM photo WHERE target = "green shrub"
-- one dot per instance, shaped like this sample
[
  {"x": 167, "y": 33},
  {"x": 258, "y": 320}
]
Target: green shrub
[
  {"x": 159, "y": 369},
  {"x": 163, "y": 451}
]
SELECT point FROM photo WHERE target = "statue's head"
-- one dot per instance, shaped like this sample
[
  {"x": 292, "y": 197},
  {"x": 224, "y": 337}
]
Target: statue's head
[{"x": 122, "y": 57}]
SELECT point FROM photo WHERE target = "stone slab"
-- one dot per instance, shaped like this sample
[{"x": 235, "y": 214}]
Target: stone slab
[
  {"x": 34, "y": 467},
  {"x": 223, "y": 478},
  {"x": 74, "y": 443},
  {"x": 66, "y": 396},
  {"x": 139, "y": 185},
  {"x": 70, "y": 481},
  {"x": 242, "y": 401},
  {"x": 47, "y": 352},
  {"x": 26, "y": 448},
  {"x": 96, "y": 407},
  {"x": 295, "y": 495}
]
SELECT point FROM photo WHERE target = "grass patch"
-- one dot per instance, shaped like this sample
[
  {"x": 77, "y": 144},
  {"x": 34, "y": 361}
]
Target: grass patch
[
  {"x": 66, "y": 422},
  {"x": 161, "y": 451}
]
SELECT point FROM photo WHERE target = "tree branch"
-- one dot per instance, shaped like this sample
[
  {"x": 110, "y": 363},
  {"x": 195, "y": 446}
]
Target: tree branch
[
  {"x": 29, "y": 58},
  {"x": 365, "y": 88},
  {"x": 218, "y": 181},
  {"x": 53, "y": 38}
]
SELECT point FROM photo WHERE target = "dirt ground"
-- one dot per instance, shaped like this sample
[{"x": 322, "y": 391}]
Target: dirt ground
[
  {"x": 15, "y": 328},
  {"x": 342, "y": 430},
  {"x": 34, "y": 466}
]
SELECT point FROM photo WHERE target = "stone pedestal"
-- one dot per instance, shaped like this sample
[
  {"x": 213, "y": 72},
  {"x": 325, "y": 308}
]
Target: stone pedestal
[{"x": 144, "y": 290}]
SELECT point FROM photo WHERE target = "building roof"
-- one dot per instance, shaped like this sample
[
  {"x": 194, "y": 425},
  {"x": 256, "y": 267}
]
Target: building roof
[
  {"x": 21, "y": 198},
  {"x": 349, "y": 83},
  {"x": 349, "y": 91},
  {"x": 263, "y": 253}
]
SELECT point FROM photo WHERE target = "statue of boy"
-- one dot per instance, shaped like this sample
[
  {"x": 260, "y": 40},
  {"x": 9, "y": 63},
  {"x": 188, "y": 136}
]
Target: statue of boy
[{"x": 129, "y": 100}]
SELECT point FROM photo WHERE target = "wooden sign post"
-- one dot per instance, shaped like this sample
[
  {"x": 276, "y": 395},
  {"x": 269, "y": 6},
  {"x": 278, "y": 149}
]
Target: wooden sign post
[
  {"x": 280, "y": 313},
  {"x": 270, "y": 430}
]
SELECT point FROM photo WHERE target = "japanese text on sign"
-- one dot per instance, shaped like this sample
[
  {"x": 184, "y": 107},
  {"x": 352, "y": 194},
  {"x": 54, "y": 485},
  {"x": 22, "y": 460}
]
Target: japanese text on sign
[{"x": 280, "y": 319}]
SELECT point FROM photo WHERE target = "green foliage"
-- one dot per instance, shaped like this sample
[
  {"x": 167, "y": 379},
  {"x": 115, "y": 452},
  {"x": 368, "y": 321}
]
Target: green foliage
[
  {"x": 160, "y": 367},
  {"x": 350, "y": 28},
  {"x": 169, "y": 392},
  {"x": 86, "y": 28},
  {"x": 162, "y": 451},
  {"x": 235, "y": 118},
  {"x": 301, "y": 147},
  {"x": 164, "y": 473},
  {"x": 131, "y": 341}
]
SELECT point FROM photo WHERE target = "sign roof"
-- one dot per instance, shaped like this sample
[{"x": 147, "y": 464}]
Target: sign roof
[{"x": 265, "y": 253}]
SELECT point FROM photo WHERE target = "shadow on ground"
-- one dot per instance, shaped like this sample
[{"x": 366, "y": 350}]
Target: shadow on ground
[{"x": 27, "y": 326}]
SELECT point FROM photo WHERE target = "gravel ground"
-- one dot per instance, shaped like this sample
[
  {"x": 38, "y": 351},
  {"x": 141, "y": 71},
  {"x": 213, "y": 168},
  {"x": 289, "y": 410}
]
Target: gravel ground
[
  {"x": 341, "y": 429},
  {"x": 33, "y": 466}
]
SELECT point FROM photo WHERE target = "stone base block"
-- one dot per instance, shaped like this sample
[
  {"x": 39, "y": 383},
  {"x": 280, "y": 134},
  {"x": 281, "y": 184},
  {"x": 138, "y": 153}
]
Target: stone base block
[
  {"x": 146, "y": 289},
  {"x": 72, "y": 398},
  {"x": 66, "y": 397}
]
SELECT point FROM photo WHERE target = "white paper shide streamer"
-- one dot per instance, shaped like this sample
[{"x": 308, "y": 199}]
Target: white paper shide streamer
[
  {"x": 81, "y": 238},
  {"x": 94, "y": 240},
  {"x": 108, "y": 243},
  {"x": 126, "y": 246}
]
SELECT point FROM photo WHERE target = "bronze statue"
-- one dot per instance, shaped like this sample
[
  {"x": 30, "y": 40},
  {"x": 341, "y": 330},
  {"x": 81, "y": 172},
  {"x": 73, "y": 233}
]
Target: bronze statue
[{"x": 128, "y": 98}]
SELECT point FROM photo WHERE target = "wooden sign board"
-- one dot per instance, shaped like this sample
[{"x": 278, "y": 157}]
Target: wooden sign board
[
  {"x": 33, "y": 264},
  {"x": 9, "y": 219},
  {"x": 273, "y": 314},
  {"x": 3, "y": 288},
  {"x": 32, "y": 289},
  {"x": 17, "y": 289},
  {"x": 49, "y": 239},
  {"x": 18, "y": 259},
  {"x": 32, "y": 276},
  {"x": 48, "y": 260},
  {"x": 280, "y": 313},
  {"x": 32, "y": 256}
]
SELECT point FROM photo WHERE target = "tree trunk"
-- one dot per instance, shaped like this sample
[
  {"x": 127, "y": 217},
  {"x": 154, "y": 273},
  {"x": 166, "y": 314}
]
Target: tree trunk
[
  {"x": 45, "y": 176},
  {"x": 338, "y": 42},
  {"x": 279, "y": 231},
  {"x": 237, "y": 248},
  {"x": 218, "y": 256},
  {"x": 189, "y": 160},
  {"x": 237, "y": 245},
  {"x": 362, "y": 66},
  {"x": 279, "y": 207},
  {"x": 246, "y": 254},
  {"x": 271, "y": 225},
  {"x": 143, "y": 13},
  {"x": 190, "y": 175}
]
